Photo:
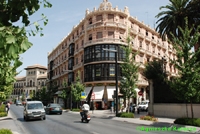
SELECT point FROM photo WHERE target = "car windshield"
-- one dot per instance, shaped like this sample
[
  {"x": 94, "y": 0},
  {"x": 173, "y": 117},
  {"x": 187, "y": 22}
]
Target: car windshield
[
  {"x": 54, "y": 105},
  {"x": 35, "y": 106},
  {"x": 143, "y": 103}
]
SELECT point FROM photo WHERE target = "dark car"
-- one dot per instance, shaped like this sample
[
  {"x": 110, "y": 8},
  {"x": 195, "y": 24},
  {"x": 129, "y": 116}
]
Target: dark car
[{"x": 53, "y": 108}]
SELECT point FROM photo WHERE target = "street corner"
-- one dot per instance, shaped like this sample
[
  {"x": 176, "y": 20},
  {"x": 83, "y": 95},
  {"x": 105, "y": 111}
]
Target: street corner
[{"x": 5, "y": 118}]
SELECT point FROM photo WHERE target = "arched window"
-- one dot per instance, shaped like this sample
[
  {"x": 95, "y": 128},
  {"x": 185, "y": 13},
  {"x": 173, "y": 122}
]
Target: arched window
[{"x": 30, "y": 83}]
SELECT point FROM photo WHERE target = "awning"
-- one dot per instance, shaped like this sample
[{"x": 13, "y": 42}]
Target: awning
[
  {"x": 110, "y": 90},
  {"x": 58, "y": 92},
  {"x": 98, "y": 92}
]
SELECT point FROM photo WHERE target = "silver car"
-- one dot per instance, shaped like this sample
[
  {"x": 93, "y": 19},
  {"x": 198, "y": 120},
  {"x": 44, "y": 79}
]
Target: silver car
[{"x": 34, "y": 110}]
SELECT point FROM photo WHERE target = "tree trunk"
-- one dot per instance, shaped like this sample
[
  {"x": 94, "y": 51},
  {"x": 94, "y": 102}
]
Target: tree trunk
[
  {"x": 186, "y": 110},
  {"x": 191, "y": 109},
  {"x": 128, "y": 105}
]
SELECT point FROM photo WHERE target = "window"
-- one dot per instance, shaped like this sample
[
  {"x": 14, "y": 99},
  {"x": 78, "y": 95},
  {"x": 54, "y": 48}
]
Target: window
[
  {"x": 82, "y": 58},
  {"x": 110, "y": 34},
  {"x": 121, "y": 19},
  {"x": 99, "y": 35},
  {"x": 146, "y": 33},
  {"x": 98, "y": 70},
  {"x": 76, "y": 61},
  {"x": 111, "y": 17},
  {"x": 90, "y": 21},
  {"x": 112, "y": 70},
  {"x": 141, "y": 44},
  {"x": 90, "y": 37},
  {"x": 141, "y": 58},
  {"x": 82, "y": 27},
  {"x": 97, "y": 51},
  {"x": 82, "y": 42},
  {"x": 112, "y": 54},
  {"x": 99, "y": 18}
]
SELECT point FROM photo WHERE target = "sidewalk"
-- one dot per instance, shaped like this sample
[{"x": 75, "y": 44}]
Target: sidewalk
[
  {"x": 8, "y": 123},
  {"x": 161, "y": 123}
]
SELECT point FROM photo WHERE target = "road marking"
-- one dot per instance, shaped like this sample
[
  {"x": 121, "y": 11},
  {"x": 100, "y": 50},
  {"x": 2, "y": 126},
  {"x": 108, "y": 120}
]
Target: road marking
[{"x": 95, "y": 133}]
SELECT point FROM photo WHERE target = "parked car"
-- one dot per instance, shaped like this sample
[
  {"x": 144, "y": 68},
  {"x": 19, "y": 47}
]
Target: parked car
[
  {"x": 34, "y": 110},
  {"x": 143, "y": 106},
  {"x": 53, "y": 108},
  {"x": 18, "y": 103}
]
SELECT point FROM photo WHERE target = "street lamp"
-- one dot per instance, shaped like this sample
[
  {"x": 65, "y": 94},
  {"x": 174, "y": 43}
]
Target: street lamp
[
  {"x": 116, "y": 76},
  {"x": 71, "y": 91}
]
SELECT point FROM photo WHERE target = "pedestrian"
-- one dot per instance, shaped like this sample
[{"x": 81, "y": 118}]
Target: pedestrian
[{"x": 7, "y": 107}]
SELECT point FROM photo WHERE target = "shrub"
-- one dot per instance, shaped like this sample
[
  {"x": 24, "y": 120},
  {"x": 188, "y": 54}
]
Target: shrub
[
  {"x": 2, "y": 108},
  {"x": 5, "y": 131},
  {"x": 125, "y": 115},
  {"x": 149, "y": 118},
  {"x": 76, "y": 110},
  {"x": 188, "y": 121},
  {"x": 3, "y": 114}
]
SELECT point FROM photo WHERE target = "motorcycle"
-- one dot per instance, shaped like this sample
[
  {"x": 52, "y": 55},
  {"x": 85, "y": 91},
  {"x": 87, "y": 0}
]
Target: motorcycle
[{"x": 85, "y": 117}]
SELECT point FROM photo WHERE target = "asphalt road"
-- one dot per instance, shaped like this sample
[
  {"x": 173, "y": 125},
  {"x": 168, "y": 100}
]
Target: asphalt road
[{"x": 70, "y": 123}]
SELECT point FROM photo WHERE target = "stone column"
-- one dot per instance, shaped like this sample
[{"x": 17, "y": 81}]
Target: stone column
[{"x": 151, "y": 98}]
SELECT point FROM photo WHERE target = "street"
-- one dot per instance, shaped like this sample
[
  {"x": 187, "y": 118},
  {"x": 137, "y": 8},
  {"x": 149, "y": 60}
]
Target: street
[{"x": 70, "y": 123}]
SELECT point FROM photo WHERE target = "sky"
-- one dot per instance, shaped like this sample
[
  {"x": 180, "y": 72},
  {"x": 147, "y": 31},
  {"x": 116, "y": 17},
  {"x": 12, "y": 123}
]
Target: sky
[{"x": 64, "y": 14}]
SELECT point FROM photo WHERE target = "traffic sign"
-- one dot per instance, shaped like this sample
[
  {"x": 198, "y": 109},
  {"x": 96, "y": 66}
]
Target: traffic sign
[
  {"x": 83, "y": 95},
  {"x": 140, "y": 93}
]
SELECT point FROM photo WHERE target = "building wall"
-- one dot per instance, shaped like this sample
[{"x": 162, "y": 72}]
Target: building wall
[
  {"x": 34, "y": 80},
  {"x": 176, "y": 110},
  {"x": 107, "y": 25}
]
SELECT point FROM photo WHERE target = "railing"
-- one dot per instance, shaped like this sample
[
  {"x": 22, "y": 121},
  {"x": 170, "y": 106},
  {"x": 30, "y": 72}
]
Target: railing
[
  {"x": 111, "y": 40},
  {"x": 142, "y": 82},
  {"x": 78, "y": 65}
]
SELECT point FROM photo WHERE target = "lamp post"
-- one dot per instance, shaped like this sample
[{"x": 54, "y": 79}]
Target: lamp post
[
  {"x": 116, "y": 76},
  {"x": 70, "y": 91}
]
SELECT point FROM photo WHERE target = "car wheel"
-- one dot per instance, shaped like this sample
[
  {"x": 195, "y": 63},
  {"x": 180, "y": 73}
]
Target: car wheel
[
  {"x": 60, "y": 113},
  {"x": 24, "y": 118},
  {"x": 44, "y": 118}
]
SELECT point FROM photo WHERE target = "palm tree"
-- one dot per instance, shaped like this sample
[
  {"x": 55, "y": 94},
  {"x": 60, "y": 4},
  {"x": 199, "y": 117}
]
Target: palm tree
[{"x": 172, "y": 17}]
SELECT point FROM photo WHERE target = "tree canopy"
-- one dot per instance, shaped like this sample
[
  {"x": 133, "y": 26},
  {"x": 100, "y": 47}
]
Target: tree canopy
[{"x": 13, "y": 38}]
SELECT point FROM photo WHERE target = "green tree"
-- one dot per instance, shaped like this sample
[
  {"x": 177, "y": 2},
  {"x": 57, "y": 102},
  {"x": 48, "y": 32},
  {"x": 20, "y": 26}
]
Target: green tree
[
  {"x": 77, "y": 88},
  {"x": 129, "y": 72},
  {"x": 187, "y": 84},
  {"x": 14, "y": 38},
  {"x": 65, "y": 94}
]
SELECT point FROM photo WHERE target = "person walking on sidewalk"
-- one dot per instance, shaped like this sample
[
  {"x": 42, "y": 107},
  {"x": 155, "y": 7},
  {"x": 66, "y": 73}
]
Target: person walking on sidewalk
[{"x": 7, "y": 107}]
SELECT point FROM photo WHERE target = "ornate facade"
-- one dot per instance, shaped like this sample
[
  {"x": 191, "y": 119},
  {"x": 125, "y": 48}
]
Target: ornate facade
[
  {"x": 35, "y": 79},
  {"x": 82, "y": 50}
]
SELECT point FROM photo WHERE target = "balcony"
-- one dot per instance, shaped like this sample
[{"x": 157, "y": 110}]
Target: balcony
[
  {"x": 142, "y": 50},
  {"x": 123, "y": 26},
  {"x": 134, "y": 31},
  {"x": 148, "y": 52},
  {"x": 102, "y": 40},
  {"x": 112, "y": 24},
  {"x": 82, "y": 32},
  {"x": 148, "y": 38},
  {"x": 154, "y": 41},
  {"x": 78, "y": 50},
  {"x": 78, "y": 66},
  {"x": 141, "y": 35},
  {"x": 142, "y": 83}
]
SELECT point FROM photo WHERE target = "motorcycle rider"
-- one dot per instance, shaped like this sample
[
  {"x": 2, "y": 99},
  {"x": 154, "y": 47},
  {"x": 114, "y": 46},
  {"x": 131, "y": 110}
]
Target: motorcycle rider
[{"x": 84, "y": 109}]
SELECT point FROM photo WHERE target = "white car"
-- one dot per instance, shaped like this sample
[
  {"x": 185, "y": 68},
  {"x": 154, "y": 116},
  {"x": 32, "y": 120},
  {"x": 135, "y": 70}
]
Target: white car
[
  {"x": 143, "y": 106},
  {"x": 34, "y": 110}
]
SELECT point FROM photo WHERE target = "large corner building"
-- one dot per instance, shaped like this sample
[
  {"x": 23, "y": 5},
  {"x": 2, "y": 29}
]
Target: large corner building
[{"x": 82, "y": 50}]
